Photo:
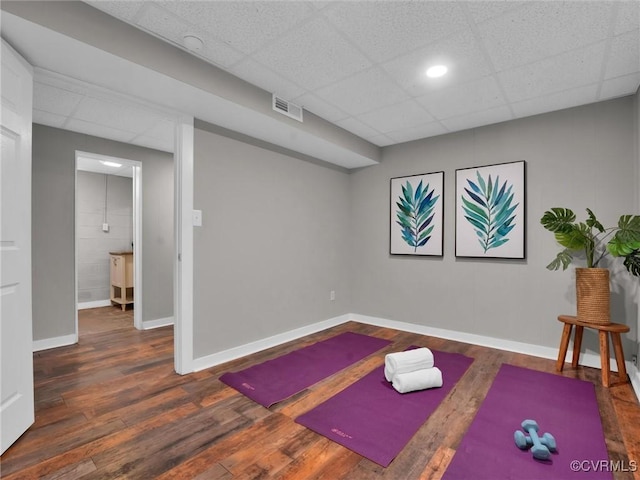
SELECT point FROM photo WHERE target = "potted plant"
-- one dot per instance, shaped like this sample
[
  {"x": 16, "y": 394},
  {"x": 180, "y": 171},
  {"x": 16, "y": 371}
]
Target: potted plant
[{"x": 596, "y": 242}]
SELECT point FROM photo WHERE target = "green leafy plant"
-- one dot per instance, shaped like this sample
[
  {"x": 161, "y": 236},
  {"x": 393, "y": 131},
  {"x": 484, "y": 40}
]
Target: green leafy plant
[{"x": 593, "y": 239}]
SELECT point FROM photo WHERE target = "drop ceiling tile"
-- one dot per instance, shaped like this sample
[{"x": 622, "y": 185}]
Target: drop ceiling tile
[
  {"x": 616, "y": 87},
  {"x": 261, "y": 76},
  {"x": 562, "y": 72},
  {"x": 463, "y": 99},
  {"x": 624, "y": 56},
  {"x": 126, "y": 10},
  {"x": 431, "y": 129},
  {"x": 481, "y": 11},
  {"x": 49, "y": 119},
  {"x": 246, "y": 25},
  {"x": 320, "y": 107},
  {"x": 163, "y": 144},
  {"x": 55, "y": 100},
  {"x": 357, "y": 127},
  {"x": 408, "y": 114},
  {"x": 363, "y": 92},
  {"x": 477, "y": 119},
  {"x": 459, "y": 52},
  {"x": 298, "y": 56},
  {"x": 171, "y": 28},
  {"x": 114, "y": 115},
  {"x": 380, "y": 140},
  {"x": 556, "y": 101},
  {"x": 557, "y": 27},
  {"x": 628, "y": 17},
  {"x": 384, "y": 30},
  {"x": 99, "y": 130}
]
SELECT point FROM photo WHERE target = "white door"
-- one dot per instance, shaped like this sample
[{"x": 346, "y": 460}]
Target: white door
[{"x": 16, "y": 339}]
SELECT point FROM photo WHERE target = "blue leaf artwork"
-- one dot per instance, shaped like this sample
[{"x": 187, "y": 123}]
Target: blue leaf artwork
[
  {"x": 489, "y": 207},
  {"x": 415, "y": 213}
]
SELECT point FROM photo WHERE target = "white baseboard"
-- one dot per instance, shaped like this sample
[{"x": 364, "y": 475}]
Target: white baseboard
[
  {"x": 273, "y": 341},
  {"x": 634, "y": 376},
  {"x": 586, "y": 359},
  {"x": 157, "y": 323},
  {"x": 94, "y": 304},
  {"x": 47, "y": 343}
]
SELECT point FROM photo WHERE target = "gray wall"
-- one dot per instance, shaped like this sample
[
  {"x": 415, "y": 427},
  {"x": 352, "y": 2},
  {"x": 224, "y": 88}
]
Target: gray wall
[
  {"x": 274, "y": 243},
  {"x": 94, "y": 244},
  {"x": 637, "y": 133},
  {"x": 53, "y": 185},
  {"x": 576, "y": 158}
]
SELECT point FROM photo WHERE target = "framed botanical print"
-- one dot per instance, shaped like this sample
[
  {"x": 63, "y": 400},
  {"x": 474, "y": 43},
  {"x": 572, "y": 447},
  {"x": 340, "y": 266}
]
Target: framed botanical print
[
  {"x": 490, "y": 211},
  {"x": 417, "y": 214}
]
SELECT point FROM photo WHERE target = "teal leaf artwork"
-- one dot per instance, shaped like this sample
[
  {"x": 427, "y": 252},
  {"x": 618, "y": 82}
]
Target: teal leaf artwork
[
  {"x": 415, "y": 213},
  {"x": 489, "y": 207}
]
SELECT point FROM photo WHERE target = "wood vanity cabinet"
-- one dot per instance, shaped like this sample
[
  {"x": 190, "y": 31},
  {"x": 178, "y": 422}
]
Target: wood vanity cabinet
[{"x": 121, "y": 267}]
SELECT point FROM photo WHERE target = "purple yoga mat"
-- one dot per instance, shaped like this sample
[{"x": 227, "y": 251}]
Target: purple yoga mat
[
  {"x": 565, "y": 407},
  {"x": 274, "y": 380},
  {"x": 372, "y": 419}
]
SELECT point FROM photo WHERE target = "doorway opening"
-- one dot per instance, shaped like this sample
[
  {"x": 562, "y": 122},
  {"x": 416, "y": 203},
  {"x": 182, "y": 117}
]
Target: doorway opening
[{"x": 108, "y": 226}]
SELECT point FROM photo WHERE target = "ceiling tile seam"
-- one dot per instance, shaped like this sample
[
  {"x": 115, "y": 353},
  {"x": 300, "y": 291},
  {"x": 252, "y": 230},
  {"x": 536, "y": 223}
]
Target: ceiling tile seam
[
  {"x": 607, "y": 47},
  {"x": 76, "y": 94},
  {"x": 404, "y": 53},
  {"x": 380, "y": 64},
  {"x": 124, "y": 132},
  {"x": 64, "y": 82},
  {"x": 180, "y": 46},
  {"x": 335, "y": 105},
  {"x": 362, "y": 122},
  {"x": 564, "y": 52},
  {"x": 72, "y": 115},
  {"x": 251, "y": 56},
  {"x": 314, "y": 15},
  {"x": 560, "y": 92},
  {"x": 374, "y": 63},
  {"x": 476, "y": 34},
  {"x": 345, "y": 37}
]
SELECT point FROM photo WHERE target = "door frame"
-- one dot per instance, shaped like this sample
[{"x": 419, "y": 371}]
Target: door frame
[
  {"x": 137, "y": 232},
  {"x": 183, "y": 155}
]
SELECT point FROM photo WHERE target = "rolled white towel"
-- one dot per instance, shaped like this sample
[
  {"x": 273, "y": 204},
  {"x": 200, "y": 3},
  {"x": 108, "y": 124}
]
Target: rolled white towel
[
  {"x": 407, "y": 361},
  {"x": 417, "y": 380}
]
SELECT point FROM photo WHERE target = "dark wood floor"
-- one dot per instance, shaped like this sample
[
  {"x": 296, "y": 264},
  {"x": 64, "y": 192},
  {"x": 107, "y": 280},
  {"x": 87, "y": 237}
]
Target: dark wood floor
[{"x": 112, "y": 407}]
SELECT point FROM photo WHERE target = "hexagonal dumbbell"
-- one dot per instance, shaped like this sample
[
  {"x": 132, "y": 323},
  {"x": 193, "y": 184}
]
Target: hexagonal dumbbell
[{"x": 541, "y": 447}]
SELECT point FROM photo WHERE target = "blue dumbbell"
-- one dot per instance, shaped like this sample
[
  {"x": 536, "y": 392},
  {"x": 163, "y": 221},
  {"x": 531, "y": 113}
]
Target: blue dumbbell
[{"x": 541, "y": 446}]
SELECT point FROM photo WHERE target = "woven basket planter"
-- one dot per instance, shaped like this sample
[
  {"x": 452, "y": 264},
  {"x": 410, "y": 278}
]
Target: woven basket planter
[{"x": 593, "y": 295}]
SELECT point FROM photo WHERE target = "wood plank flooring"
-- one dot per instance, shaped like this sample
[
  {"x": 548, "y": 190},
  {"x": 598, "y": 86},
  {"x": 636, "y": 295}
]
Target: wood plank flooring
[{"x": 113, "y": 407}]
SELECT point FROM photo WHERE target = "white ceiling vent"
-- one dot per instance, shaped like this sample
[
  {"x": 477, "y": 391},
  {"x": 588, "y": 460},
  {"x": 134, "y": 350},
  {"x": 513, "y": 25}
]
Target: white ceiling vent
[{"x": 287, "y": 108}]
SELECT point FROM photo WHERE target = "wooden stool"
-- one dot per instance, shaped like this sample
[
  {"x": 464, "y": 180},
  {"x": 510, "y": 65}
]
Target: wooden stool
[{"x": 615, "y": 329}]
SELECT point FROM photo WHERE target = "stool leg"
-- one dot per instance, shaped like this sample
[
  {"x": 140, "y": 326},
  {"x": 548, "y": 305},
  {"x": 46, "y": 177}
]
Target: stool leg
[
  {"x": 617, "y": 347},
  {"x": 577, "y": 345},
  {"x": 564, "y": 346},
  {"x": 604, "y": 357}
]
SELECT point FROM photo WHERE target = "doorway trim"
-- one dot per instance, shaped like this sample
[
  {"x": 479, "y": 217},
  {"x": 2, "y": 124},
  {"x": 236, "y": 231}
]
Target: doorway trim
[
  {"x": 183, "y": 259},
  {"x": 137, "y": 232}
]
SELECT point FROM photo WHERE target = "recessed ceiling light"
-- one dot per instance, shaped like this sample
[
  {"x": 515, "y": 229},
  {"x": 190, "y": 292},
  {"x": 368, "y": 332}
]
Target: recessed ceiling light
[
  {"x": 436, "y": 71},
  {"x": 110, "y": 164},
  {"x": 192, "y": 43}
]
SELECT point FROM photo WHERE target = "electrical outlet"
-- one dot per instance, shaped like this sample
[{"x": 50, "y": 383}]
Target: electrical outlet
[
  {"x": 634, "y": 359},
  {"x": 332, "y": 295},
  {"x": 105, "y": 227}
]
